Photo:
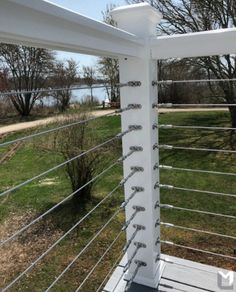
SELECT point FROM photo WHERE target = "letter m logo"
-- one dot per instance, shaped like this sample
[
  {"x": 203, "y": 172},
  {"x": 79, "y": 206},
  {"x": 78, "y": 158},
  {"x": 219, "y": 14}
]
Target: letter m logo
[{"x": 226, "y": 280}]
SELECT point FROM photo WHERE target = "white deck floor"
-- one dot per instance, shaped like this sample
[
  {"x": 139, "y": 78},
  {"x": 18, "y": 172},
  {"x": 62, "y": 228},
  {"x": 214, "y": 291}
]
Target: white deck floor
[{"x": 184, "y": 276}]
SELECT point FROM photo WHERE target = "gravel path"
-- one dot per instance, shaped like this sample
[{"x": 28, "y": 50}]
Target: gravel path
[{"x": 43, "y": 122}]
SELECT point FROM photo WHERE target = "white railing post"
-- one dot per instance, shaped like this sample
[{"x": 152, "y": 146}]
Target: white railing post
[{"x": 141, "y": 20}]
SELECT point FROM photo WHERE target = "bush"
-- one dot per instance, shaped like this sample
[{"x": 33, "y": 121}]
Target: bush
[{"x": 70, "y": 143}]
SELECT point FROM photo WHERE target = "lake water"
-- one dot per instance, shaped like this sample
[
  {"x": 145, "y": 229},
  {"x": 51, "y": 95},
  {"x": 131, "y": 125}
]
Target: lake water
[{"x": 80, "y": 94}]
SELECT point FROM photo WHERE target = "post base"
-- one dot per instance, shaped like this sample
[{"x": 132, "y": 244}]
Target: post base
[{"x": 152, "y": 283}]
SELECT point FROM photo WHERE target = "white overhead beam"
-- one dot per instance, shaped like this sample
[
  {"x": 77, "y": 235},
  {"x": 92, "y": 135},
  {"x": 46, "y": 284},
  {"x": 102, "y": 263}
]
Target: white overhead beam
[
  {"x": 207, "y": 43},
  {"x": 42, "y": 24}
]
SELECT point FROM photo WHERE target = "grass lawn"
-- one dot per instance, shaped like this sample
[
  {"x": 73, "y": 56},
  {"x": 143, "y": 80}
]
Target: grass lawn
[{"x": 22, "y": 206}]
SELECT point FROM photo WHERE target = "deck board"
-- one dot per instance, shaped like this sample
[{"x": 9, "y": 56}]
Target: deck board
[{"x": 182, "y": 276}]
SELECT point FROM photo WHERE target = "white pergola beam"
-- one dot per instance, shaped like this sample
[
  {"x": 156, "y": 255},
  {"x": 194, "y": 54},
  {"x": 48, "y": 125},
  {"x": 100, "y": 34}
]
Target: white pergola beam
[
  {"x": 43, "y": 24},
  {"x": 207, "y": 43}
]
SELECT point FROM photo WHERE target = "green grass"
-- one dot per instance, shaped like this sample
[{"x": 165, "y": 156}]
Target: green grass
[{"x": 39, "y": 196}]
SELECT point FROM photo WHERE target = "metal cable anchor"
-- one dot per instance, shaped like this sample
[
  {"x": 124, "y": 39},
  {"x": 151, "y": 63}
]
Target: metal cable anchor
[{"x": 134, "y": 83}]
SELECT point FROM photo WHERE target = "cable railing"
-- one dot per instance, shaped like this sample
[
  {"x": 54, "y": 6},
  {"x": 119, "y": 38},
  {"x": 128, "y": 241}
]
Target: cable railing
[
  {"x": 133, "y": 240},
  {"x": 169, "y": 82},
  {"x": 198, "y": 250},
  {"x": 170, "y": 225},
  {"x": 137, "y": 209},
  {"x": 110, "y": 271},
  {"x": 135, "y": 191},
  {"x": 193, "y": 105},
  {"x": 173, "y": 169},
  {"x": 170, "y": 187},
  {"x": 72, "y": 88},
  {"x": 171, "y": 147},
  {"x": 163, "y": 126},
  {"x": 133, "y": 171},
  {"x": 141, "y": 181},
  {"x": 129, "y": 107}
]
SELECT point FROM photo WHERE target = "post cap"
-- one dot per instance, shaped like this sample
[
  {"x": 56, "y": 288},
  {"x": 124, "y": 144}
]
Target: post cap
[{"x": 140, "y": 19}]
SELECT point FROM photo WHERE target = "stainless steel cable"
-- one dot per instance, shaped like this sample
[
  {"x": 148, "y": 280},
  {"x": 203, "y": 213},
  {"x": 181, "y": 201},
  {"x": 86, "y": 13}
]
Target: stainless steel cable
[
  {"x": 197, "y": 211},
  {"x": 169, "y": 105},
  {"x": 138, "y": 246},
  {"x": 167, "y": 167},
  {"x": 198, "y": 250},
  {"x": 56, "y": 206},
  {"x": 193, "y": 81},
  {"x": 130, "y": 198},
  {"x": 162, "y": 126},
  {"x": 168, "y": 187},
  {"x": 60, "y": 165},
  {"x": 110, "y": 271},
  {"x": 59, "y": 240},
  {"x": 170, "y": 147},
  {"x": 170, "y": 225},
  {"x": 131, "y": 240},
  {"x": 82, "y": 251},
  {"x": 139, "y": 264},
  {"x": 99, "y": 261},
  {"x": 137, "y": 210},
  {"x": 48, "y": 90},
  {"x": 134, "y": 169},
  {"x": 55, "y": 129},
  {"x": 129, "y": 107},
  {"x": 132, "y": 150}
]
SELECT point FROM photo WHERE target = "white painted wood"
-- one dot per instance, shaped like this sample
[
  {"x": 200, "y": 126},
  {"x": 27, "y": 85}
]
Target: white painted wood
[
  {"x": 42, "y": 24},
  {"x": 207, "y": 43},
  {"x": 141, "y": 20}
]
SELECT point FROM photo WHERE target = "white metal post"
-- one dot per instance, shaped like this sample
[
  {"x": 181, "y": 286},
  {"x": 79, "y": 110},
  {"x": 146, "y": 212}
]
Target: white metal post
[{"x": 141, "y": 20}]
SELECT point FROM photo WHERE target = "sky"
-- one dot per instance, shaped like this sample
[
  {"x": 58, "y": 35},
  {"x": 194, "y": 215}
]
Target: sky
[{"x": 92, "y": 9}]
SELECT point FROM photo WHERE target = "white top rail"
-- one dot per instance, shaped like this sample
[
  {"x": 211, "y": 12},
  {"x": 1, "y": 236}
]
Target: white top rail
[
  {"x": 198, "y": 44},
  {"x": 40, "y": 23}
]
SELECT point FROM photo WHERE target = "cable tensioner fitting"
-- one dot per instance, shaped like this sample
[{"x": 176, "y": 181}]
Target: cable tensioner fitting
[
  {"x": 139, "y": 227},
  {"x": 140, "y": 244},
  {"x": 136, "y": 148},
  {"x": 134, "y": 106},
  {"x": 140, "y": 263},
  {"x": 134, "y": 83},
  {"x": 137, "y": 168},
  {"x": 135, "y": 127},
  {"x": 137, "y": 189},
  {"x": 139, "y": 208}
]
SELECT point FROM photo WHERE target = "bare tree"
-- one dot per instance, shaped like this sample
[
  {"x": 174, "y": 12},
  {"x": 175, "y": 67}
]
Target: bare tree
[
  {"x": 4, "y": 79},
  {"x": 89, "y": 76},
  {"x": 182, "y": 93},
  {"x": 109, "y": 67},
  {"x": 65, "y": 75},
  {"x": 186, "y": 16},
  {"x": 29, "y": 69}
]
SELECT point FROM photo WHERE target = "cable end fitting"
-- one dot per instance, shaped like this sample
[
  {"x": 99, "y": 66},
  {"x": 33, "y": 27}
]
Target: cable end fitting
[
  {"x": 139, "y": 227},
  {"x": 139, "y": 208},
  {"x": 137, "y": 189},
  {"x": 134, "y": 83},
  {"x": 136, "y": 148},
  {"x": 135, "y": 127},
  {"x": 140, "y": 244},
  {"x": 137, "y": 168}
]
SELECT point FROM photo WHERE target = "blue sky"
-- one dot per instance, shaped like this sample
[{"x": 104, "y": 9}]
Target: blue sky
[{"x": 90, "y": 8}]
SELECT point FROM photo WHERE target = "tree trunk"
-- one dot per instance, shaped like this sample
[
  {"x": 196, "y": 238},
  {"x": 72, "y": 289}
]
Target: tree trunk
[
  {"x": 91, "y": 95},
  {"x": 232, "y": 111}
]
